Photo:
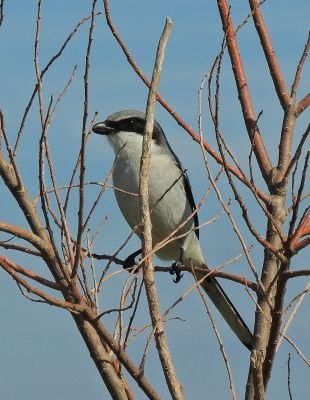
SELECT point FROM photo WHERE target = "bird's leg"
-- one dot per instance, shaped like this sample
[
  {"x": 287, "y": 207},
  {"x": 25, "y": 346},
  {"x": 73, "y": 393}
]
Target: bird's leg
[
  {"x": 130, "y": 261},
  {"x": 175, "y": 267}
]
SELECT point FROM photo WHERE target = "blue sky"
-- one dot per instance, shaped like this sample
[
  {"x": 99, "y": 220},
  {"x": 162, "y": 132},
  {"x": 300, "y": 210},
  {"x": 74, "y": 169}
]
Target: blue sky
[{"x": 42, "y": 354}]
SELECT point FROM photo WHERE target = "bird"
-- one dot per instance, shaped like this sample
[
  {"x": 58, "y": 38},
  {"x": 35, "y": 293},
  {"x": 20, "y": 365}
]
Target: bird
[{"x": 171, "y": 201}]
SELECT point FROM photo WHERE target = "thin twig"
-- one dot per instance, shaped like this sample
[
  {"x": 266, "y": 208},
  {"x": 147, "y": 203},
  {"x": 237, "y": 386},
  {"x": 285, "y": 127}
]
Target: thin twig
[
  {"x": 132, "y": 317},
  {"x": 47, "y": 298},
  {"x": 294, "y": 237},
  {"x": 10, "y": 153},
  {"x": 30, "y": 274},
  {"x": 43, "y": 72},
  {"x": 122, "y": 356},
  {"x": 300, "y": 67},
  {"x": 103, "y": 188},
  {"x": 289, "y": 376},
  {"x": 297, "y": 154},
  {"x": 81, "y": 225},
  {"x": 76, "y": 166},
  {"x": 16, "y": 247},
  {"x": 293, "y": 313}
]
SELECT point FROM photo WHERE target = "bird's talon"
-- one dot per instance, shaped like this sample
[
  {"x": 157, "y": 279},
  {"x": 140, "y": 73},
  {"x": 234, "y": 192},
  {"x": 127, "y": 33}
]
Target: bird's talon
[
  {"x": 175, "y": 270},
  {"x": 178, "y": 278}
]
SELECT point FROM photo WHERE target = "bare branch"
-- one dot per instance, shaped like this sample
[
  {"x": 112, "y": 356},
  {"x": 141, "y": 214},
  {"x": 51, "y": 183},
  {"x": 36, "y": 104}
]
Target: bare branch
[
  {"x": 10, "y": 153},
  {"x": 80, "y": 231},
  {"x": 11, "y": 246},
  {"x": 302, "y": 105},
  {"x": 117, "y": 349},
  {"x": 148, "y": 271},
  {"x": 43, "y": 72},
  {"x": 300, "y": 67},
  {"x": 270, "y": 55},
  {"x": 297, "y": 154},
  {"x": 30, "y": 274},
  {"x": 296, "y": 274},
  {"x": 293, "y": 313},
  {"x": 304, "y": 222},
  {"x": 47, "y": 298},
  {"x": 243, "y": 91}
]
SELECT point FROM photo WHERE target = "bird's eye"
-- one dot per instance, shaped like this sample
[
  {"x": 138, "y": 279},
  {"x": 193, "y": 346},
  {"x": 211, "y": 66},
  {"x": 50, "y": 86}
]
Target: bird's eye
[{"x": 131, "y": 122}]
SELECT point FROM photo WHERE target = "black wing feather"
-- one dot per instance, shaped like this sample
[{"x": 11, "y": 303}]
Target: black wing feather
[{"x": 187, "y": 188}]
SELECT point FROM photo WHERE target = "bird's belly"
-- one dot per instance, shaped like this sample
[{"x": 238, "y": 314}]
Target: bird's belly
[{"x": 168, "y": 203}]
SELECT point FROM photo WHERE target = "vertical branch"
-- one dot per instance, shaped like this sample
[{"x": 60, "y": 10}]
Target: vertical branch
[
  {"x": 243, "y": 91},
  {"x": 83, "y": 143},
  {"x": 37, "y": 62},
  {"x": 270, "y": 55},
  {"x": 148, "y": 269}
]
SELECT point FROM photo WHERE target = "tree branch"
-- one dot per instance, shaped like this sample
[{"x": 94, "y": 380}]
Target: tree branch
[
  {"x": 78, "y": 244},
  {"x": 243, "y": 92},
  {"x": 300, "y": 67},
  {"x": 302, "y": 105},
  {"x": 148, "y": 270},
  {"x": 270, "y": 55}
]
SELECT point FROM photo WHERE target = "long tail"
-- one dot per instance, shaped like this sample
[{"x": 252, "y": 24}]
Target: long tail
[{"x": 228, "y": 311}]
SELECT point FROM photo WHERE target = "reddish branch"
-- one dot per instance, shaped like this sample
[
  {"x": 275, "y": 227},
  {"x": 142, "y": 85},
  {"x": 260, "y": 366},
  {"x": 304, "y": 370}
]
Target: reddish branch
[
  {"x": 270, "y": 55},
  {"x": 7, "y": 266},
  {"x": 30, "y": 274},
  {"x": 299, "y": 67},
  {"x": 243, "y": 92},
  {"x": 303, "y": 104},
  {"x": 302, "y": 230},
  {"x": 81, "y": 308}
]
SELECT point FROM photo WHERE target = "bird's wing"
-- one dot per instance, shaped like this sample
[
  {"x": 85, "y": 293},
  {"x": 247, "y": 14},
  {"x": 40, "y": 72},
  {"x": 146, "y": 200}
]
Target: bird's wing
[{"x": 187, "y": 188}]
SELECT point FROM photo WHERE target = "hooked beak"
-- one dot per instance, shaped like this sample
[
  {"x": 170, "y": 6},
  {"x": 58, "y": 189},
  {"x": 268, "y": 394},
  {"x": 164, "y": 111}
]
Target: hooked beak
[{"x": 103, "y": 129}]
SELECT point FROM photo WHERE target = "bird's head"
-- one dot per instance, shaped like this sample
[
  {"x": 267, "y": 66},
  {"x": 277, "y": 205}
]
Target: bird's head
[{"x": 127, "y": 126}]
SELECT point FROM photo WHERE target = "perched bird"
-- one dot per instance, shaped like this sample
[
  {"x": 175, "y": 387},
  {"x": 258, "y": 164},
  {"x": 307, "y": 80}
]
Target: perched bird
[{"x": 171, "y": 202}]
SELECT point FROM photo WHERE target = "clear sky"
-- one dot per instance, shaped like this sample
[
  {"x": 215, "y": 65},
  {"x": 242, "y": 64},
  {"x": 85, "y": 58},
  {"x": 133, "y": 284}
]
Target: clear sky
[{"x": 42, "y": 354}]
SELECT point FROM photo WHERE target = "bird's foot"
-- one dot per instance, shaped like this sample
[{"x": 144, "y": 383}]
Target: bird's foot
[{"x": 175, "y": 270}]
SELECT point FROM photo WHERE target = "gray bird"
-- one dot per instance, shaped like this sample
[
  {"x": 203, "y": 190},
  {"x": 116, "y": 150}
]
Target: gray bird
[{"x": 171, "y": 203}]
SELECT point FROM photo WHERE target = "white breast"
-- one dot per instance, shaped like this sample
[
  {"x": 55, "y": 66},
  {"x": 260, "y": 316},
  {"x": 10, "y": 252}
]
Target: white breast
[{"x": 169, "y": 207}]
